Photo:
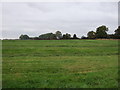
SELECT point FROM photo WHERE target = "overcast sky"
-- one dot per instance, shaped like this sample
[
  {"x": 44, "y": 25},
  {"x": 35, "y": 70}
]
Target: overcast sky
[{"x": 35, "y": 18}]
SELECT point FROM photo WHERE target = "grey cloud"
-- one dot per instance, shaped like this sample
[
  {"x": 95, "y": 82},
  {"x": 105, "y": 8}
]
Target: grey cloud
[{"x": 37, "y": 18}]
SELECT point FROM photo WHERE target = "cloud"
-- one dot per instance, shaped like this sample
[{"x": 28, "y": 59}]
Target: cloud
[{"x": 71, "y": 17}]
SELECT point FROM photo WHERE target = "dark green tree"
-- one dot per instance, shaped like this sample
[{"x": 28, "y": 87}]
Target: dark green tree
[
  {"x": 47, "y": 36},
  {"x": 83, "y": 37},
  {"x": 101, "y": 32},
  {"x": 75, "y": 36},
  {"x": 58, "y": 35},
  {"x": 117, "y": 31},
  {"x": 91, "y": 34},
  {"x": 66, "y": 36},
  {"x": 24, "y": 37}
]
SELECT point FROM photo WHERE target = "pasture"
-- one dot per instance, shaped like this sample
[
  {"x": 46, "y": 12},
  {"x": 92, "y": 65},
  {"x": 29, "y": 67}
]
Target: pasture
[{"x": 60, "y": 63}]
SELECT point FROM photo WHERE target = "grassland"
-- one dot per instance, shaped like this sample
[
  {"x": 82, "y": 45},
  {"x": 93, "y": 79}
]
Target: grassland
[{"x": 60, "y": 63}]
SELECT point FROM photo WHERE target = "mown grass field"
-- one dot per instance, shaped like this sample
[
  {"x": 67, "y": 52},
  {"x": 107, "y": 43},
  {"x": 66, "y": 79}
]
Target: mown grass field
[{"x": 60, "y": 63}]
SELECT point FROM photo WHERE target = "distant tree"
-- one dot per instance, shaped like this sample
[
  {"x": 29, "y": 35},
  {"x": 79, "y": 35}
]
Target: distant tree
[
  {"x": 47, "y": 36},
  {"x": 66, "y": 36},
  {"x": 58, "y": 35},
  {"x": 117, "y": 31},
  {"x": 111, "y": 36},
  {"x": 34, "y": 38},
  {"x": 75, "y": 36},
  {"x": 24, "y": 37},
  {"x": 101, "y": 32},
  {"x": 83, "y": 37},
  {"x": 53, "y": 36},
  {"x": 91, "y": 35}
]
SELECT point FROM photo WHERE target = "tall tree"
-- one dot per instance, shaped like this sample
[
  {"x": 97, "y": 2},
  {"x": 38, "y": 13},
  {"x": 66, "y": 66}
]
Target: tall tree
[
  {"x": 91, "y": 34},
  {"x": 101, "y": 32},
  {"x": 75, "y": 36},
  {"x": 58, "y": 35}
]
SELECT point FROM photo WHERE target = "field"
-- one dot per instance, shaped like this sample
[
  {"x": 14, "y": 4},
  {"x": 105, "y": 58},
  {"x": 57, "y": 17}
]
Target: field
[{"x": 60, "y": 63}]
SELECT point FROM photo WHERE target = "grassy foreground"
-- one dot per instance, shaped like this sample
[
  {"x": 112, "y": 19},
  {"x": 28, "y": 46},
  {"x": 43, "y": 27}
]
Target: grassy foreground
[{"x": 60, "y": 63}]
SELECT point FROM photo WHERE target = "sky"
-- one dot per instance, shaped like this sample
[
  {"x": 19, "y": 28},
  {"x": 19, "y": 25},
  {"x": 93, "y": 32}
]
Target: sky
[{"x": 36, "y": 18}]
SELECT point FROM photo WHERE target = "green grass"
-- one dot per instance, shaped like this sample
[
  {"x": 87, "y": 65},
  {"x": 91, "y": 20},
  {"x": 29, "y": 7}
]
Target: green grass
[{"x": 60, "y": 63}]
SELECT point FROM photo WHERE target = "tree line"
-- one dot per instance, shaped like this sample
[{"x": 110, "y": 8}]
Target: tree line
[
  {"x": 100, "y": 33},
  {"x": 50, "y": 36}
]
